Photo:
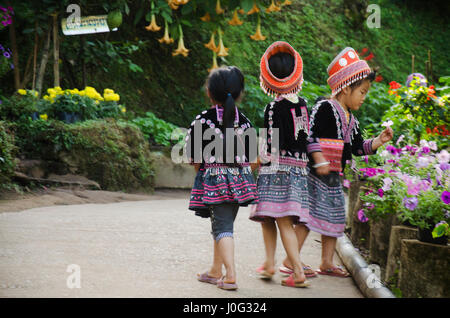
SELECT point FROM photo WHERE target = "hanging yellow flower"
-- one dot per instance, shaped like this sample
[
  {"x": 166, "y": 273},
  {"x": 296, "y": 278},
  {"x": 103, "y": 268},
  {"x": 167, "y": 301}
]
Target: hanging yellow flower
[
  {"x": 286, "y": 3},
  {"x": 273, "y": 7},
  {"x": 219, "y": 9},
  {"x": 241, "y": 11},
  {"x": 214, "y": 65},
  {"x": 211, "y": 44},
  {"x": 153, "y": 26},
  {"x": 206, "y": 17},
  {"x": 254, "y": 9},
  {"x": 172, "y": 4},
  {"x": 166, "y": 38},
  {"x": 181, "y": 49},
  {"x": 258, "y": 35},
  {"x": 221, "y": 49},
  {"x": 235, "y": 20}
]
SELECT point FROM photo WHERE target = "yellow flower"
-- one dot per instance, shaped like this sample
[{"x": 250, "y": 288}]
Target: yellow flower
[
  {"x": 214, "y": 63},
  {"x": 51, "y": 91},
  {"x": 153, "y": 26},
  {"x": 211, "y": 44},
  {"x": 173, "y": 5},
  {"x": 108, "y": 91},
  {"x": 166, "y": 38},
  {"x": 222, "y": 50},
  {"x": 273, "y": 8},
  {"x": 43, "y": 116},
  {"x": 219, "y": 10},
  {"x": 112, "y": 97},
  {"x": 181, "y": 49},
  {"x": 235, "y": 20},
  {"x": 254, "y": 9},
  {"x": 22, "y": 91},
  {"x": 258, "y": 35},
  {"x": 286, "y": 3},
  {"x": 123, "y": 109},
  {"x": 206, "y": 17}
]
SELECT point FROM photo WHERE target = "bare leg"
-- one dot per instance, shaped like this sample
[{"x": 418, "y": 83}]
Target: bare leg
[
  {"x": 269, "y": 230},
  {"x": 216, "y": 268},
  {"x": 328, "y": 246},
  {"x": 226, "y": 252},
  {"x": 302, "y": 233},
  {"x": 290, "y": 244}
]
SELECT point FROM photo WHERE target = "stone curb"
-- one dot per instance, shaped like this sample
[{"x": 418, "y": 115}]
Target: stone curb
[{"x": 360, "y": 271}]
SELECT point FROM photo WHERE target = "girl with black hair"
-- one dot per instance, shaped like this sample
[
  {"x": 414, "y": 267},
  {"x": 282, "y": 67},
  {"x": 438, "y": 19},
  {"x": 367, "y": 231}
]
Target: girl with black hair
[
  {"x": 224, "y": 179},
  {"x": 335, "y": 135},
  {"x": 282, "y": 179}
]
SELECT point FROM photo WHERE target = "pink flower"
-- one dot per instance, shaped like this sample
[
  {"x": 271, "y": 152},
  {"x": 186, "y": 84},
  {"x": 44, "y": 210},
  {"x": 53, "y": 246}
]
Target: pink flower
[
  {"x": 362, "y": 217},
  {"x": 380, "y": 193},
  {"x": 346, "y": 183},
  {"x": 400, "y": 139}
]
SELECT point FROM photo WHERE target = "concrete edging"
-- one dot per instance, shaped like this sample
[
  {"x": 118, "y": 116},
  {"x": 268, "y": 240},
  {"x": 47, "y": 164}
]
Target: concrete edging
[{"x": 359, "y": 269}]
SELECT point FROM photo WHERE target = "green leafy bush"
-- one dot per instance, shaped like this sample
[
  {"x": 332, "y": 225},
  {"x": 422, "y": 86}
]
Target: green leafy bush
[{"x": 7, "y": 154}]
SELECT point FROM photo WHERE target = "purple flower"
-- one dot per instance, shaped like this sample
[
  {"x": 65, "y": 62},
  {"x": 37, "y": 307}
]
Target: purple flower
[
  {"x": 410, "y": 203},
  {"x": 366, "y": 159},
  {"x": 393, "y": 150},
  {"x": 446, "y": 197},
  {"x": 444, "y": 166},
  {"x": 362, "y": 217},
  {"x": 425, "y": 150},
  {"x": 380, "y": 193}
]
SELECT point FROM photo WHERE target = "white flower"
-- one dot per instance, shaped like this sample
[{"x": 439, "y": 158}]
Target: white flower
[
  {"x": 432, "y": 145},
  {"x": 387, "y": 182},
  {"x": 400, "y": 139},
  {"x": 443, "y": 156},
  {"x": 424, "y": 143},
  {"x": 388, "y": 123},
  {"x": 384, "y": 154}
]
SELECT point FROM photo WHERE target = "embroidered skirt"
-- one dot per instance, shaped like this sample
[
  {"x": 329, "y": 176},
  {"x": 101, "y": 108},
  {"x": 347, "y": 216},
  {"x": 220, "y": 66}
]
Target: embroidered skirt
[
  {"x": 217, "y": 185},
  {"x": 282, "y": 191},
  {"x": 326, "y": 204}
]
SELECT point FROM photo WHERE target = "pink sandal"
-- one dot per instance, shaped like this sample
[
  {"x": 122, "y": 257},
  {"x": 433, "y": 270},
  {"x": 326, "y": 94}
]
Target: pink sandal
[
  {"x": 289, "y": 282},
  {"x": 287, "y": 271},
  {"x": 263, "y": 274},
  {"x": 205, "y": 278}
]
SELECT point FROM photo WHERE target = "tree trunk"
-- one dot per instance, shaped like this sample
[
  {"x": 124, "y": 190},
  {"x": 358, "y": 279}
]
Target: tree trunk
[
  {"x": 44, "y": 60},
  {"x": 15, "y": 54},
  {"x": 36, "y": 41},
  {"x": 55, "y": 51}
]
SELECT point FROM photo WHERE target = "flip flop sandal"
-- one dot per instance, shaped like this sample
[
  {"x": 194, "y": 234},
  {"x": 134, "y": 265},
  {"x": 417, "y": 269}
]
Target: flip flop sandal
[
  {"x": 287, "y": 271},
  {"x": 335, "y": 271},
  {"x": 289, "y": 282},
  {"x": 205, "y": 278},
  {"x": 226, "y": 286},
  {"x": 263, "y": 274}
]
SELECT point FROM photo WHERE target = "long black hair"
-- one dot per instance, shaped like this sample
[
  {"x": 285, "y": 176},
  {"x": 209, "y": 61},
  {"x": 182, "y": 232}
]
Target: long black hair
[{"x": 225, "y": 86}]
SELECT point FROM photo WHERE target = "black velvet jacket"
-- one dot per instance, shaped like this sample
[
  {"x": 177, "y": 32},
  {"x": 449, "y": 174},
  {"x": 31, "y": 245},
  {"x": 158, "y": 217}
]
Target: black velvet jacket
[
  {"x": 291, "y": 120},
  {"x": 209, "y": 122},
  {"x": 328, "y": 121}
]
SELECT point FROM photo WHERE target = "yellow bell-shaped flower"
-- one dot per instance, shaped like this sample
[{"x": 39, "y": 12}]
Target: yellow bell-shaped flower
[
  {"x": 221, "y": 49},
  {"x": 286, "y": 3},
  {"x": 273, "y": 7},
  {"x": 153, "y": 26},
  {"x": 172, "y": 4},
  {"x": 258, "y": 35},
  {"x": 214, "y": 65},
  {"x": 211, "y": 44},
  {"x": 254, "y": 9},
  {"x": 235, "y": 20},
  {"x": 219, "y": 9},
  {"x": 166, "y": 38},
  {"x": 181, "y": 48}
]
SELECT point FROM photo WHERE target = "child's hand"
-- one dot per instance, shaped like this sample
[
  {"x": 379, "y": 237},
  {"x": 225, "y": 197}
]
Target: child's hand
[{"x": 386, "y": 135}]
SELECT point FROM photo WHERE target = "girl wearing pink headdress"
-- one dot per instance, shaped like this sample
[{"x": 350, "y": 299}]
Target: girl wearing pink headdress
[{"x": 334, "y": 136}]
